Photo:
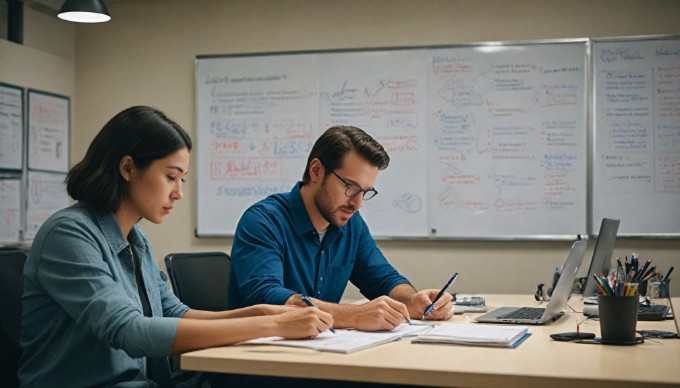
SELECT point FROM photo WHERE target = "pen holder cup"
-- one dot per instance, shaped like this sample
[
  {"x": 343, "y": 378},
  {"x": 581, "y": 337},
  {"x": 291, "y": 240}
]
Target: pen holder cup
[
  {"x": 643, "y": 287},
  {"x": 665, "y": 289},
  {"x": 658, "y": 290},
  {"x": 618, "y": 317}
]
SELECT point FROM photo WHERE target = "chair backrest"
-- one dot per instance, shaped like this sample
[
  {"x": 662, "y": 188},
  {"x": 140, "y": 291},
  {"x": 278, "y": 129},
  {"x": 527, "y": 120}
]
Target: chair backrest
[
  {"x": 11, "y": 290},
  {"x": 200, "y": 280}
]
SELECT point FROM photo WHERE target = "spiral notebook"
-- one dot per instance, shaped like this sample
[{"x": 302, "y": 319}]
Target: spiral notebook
[{"x": 498, "y": 336}]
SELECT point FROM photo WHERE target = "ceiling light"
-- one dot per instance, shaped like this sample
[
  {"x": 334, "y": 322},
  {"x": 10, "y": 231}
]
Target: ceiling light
[{"x": 84, "y": 11}]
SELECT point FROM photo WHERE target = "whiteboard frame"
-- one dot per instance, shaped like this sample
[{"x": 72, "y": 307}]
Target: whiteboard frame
[
  {"x": 67, "y": 143},
  {"x": 587, "y": 84},
  {"x": 592, "y": 135},
  {"x": 22, "y": 159}
]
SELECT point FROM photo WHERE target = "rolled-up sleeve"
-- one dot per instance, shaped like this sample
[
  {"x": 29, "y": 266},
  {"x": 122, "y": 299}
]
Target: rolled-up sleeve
[{"x": 73, "y": 271}]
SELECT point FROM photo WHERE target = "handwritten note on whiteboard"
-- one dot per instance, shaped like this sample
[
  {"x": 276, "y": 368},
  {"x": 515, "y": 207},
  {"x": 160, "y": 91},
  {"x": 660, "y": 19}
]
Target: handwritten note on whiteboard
[
  {"x": 636, "y": 163},
  {"x": 46, "y": 194},
  {"x": 10, "y": 210},
  {"x": 48, "y": 131},
  {"x": 11, "y": 127}
]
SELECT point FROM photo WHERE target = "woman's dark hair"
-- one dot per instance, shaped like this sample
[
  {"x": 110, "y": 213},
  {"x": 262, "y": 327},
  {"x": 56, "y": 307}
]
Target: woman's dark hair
[
  {"x": 144, "y": 133},
  {"x": 332, "y": 146}
]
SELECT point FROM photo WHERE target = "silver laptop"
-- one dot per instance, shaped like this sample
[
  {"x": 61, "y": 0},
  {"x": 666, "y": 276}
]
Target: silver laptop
[
  {"x": 558, "y": 300},
  {"x": 675, "y": 304},
  {"x": 602, "y": 255}
]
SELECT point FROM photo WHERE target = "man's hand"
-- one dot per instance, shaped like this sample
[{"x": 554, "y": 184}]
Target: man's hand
[
  {"x": 383, "y": 313},
  {"x": 419, "y": 301}
]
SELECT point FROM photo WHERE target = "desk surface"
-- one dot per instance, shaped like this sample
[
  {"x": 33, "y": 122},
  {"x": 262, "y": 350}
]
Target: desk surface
[{"x": 539, "y": 360}]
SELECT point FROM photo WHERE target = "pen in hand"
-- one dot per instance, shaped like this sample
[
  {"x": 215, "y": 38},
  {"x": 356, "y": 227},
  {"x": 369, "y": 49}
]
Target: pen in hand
[
  {"x": 309, "y": 303},
  {"x": 430, "y": 307}
]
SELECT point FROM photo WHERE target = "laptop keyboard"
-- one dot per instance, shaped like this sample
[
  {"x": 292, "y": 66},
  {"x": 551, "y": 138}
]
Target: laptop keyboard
[
  {"x": 524, "y": 313},
  {"x": 654, "y": 312}
]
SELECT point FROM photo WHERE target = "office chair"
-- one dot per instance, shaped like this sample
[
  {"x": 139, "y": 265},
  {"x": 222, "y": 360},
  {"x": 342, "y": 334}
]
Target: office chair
[
  {"x": 200, "y": 280},
  {"x": 11, "y": 290}
]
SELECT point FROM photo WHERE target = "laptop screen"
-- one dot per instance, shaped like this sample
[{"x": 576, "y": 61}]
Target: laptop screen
[{"x": 602, "y": 255}]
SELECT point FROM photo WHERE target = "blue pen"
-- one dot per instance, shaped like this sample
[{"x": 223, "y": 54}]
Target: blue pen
[
  {"x": 309, "y": 303},
  {"x": 430, "y": 307}
]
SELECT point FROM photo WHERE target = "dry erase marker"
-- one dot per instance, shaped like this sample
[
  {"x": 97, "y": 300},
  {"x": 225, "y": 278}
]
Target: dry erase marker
[
  {"x": 430, "y": 307},
  {"x": 309, "y": 303}
]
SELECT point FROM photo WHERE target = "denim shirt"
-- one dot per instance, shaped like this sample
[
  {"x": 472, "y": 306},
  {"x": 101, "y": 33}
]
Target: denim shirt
[
  {"x": 82, "y": 321},
  {"x": 277, "y": 253}
]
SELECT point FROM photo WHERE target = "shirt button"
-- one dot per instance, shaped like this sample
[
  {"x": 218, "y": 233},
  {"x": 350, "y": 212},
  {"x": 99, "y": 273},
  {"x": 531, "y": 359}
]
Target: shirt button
[
  {"x": 321, "y": 279},
  {"x": 318, "y": 292}
]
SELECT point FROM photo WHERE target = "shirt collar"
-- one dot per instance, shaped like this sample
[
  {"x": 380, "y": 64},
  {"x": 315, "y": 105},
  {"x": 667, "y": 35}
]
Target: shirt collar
[{"x": 111, "y": 229}]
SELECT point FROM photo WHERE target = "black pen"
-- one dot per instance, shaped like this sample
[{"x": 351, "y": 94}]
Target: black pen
[
  {"x": 309, "y": 303},
  {"x": 430, "y": 307},
  {"x": 665, "y": 279},
  {"x": 641, "y": 272}
]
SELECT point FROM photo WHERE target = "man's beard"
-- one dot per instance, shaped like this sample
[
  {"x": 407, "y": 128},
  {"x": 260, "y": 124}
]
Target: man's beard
[{"x": 322, "y": 203}]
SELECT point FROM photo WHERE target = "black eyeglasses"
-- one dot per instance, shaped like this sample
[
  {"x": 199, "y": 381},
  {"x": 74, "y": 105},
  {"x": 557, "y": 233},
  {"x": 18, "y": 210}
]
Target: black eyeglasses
[{"x": 352, "y": 190}]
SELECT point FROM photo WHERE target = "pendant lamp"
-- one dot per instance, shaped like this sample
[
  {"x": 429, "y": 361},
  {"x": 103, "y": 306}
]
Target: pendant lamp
[{"x": 84, "y": 11}]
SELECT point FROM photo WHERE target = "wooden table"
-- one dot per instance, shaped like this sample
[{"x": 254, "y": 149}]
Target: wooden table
[{"x": 539, "y": 361}]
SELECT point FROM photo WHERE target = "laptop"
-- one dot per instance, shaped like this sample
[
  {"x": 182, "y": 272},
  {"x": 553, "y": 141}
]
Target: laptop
[
  {"x": 602, "y": 255},
  {"x": 557, "y": 303},
  {"x": 676, "y": 314}
]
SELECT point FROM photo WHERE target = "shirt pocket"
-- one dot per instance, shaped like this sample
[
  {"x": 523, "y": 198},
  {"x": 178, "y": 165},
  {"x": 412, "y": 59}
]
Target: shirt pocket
[{"x": 341, "y": 273}]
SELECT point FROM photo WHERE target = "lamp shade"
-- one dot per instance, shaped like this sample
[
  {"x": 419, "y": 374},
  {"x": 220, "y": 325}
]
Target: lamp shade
[{"x": 84, "y": 11}]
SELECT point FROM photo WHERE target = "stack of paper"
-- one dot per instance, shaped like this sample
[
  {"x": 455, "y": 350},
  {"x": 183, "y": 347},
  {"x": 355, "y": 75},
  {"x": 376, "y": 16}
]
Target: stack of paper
[
  {"x": 475, "y": 334},
  {"x": 344, "y": 341}
]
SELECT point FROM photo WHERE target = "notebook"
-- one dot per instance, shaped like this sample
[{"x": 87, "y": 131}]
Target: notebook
[
  {"x": 602, "y": 255},
  {"x": 538, "y": 315},
  {"x": 500, "y": 336},
  {"x": 344, "y": 340}
]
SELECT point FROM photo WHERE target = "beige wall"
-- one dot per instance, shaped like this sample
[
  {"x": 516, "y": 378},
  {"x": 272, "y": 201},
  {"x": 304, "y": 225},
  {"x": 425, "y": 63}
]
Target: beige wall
[
  {"x": 146, "y": 55},
  {"x": 46, "y": 60}
]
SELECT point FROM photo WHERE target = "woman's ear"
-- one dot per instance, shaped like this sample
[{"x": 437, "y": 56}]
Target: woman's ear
[{"x": 125, "y": 167}]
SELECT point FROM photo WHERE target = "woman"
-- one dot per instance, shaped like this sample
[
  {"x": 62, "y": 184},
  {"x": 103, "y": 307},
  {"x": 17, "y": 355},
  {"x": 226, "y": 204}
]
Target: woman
[{"x": 97, "y": 309}]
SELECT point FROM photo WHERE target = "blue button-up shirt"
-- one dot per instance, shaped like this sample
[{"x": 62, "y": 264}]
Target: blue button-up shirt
[
  {"x": 277, "y": 253},
  {"x": 82, "y": 317}
]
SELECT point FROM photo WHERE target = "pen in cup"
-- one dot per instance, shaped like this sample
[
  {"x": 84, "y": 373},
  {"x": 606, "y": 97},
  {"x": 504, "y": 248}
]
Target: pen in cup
[
  {"x": 430, "y": 307},
  {"x": 309, "y": 303}
]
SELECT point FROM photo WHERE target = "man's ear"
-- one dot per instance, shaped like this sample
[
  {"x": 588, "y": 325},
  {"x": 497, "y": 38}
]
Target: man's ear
[
  {"x": 316, "y": 170},
  {"x": 125, "y": 167}
]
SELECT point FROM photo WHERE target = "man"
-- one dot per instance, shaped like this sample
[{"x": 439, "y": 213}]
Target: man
[{"x": 312, "y": 241}]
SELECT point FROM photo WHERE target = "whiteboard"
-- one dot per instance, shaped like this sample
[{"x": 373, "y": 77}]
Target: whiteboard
[
  {"x": 433, "y": 109},
  {"x": 48, "y": 131},
  {"x": 636, "y": 154},
  {"x": 256, "y": 121},
  {"x": 385, "y": 93},
  {"x": 10, "y": 210},
  {"x": 508, "y": 140},
  {"x": 46, "y": 194},
  {"x": 11, "y": 127}
]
